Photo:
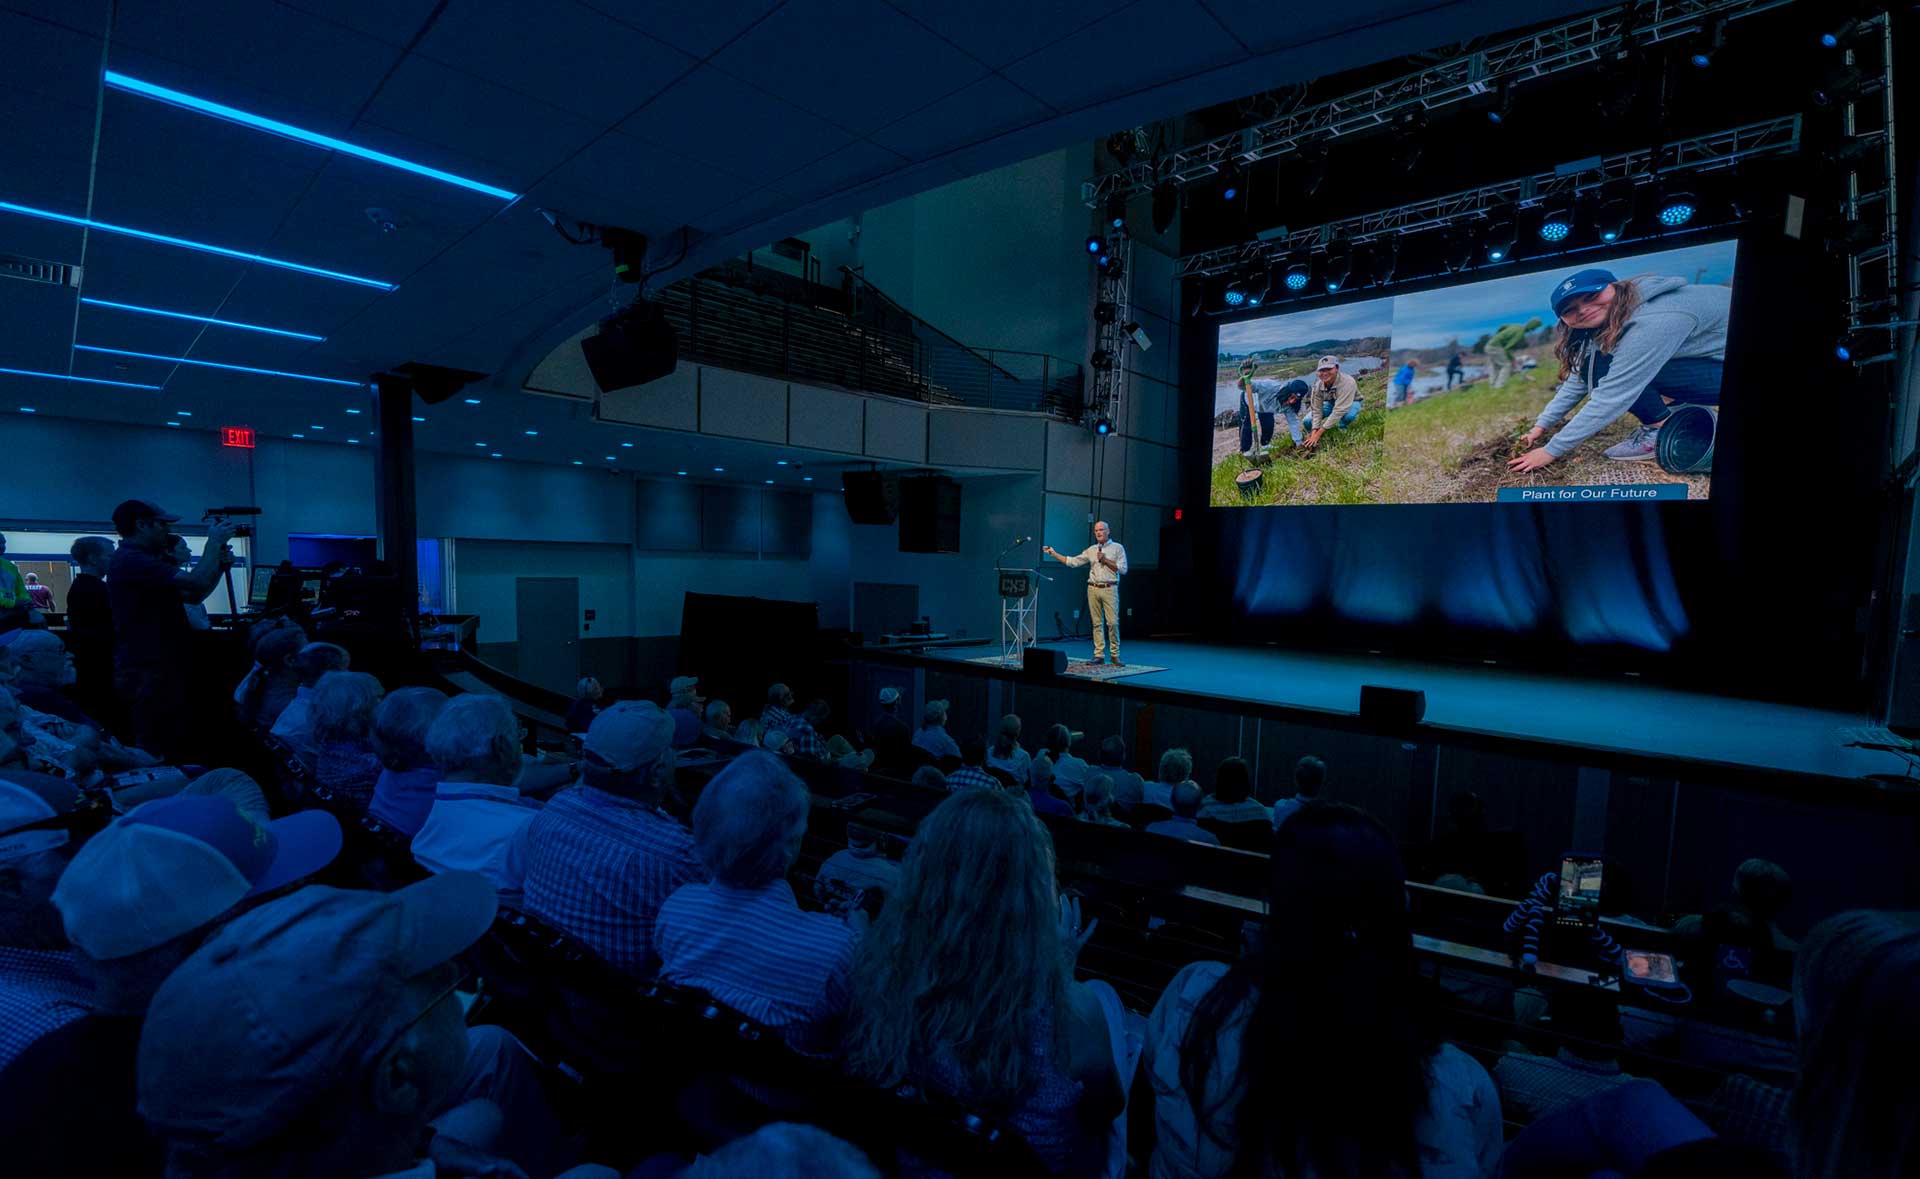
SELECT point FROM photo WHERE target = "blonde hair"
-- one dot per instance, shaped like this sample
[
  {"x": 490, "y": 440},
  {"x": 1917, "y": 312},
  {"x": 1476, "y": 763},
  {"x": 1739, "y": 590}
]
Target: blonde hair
[{"x": 965, "y": 961}]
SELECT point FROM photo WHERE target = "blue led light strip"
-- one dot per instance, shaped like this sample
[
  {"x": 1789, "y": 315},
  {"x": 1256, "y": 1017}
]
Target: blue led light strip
[
  {"x": 300, "y": 134},
  {"x": 184, "y": 243},
  {"x": 238, "y": 368},
  {"x": 25, "y": 372},
  {"x": 247, "y": 327}
]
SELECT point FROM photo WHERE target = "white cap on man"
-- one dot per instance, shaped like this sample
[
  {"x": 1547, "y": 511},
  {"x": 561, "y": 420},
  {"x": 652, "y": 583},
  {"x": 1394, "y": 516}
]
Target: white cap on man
[
  {"x": 1327, "y": 362},
  {"x": 889, "y": 695}
]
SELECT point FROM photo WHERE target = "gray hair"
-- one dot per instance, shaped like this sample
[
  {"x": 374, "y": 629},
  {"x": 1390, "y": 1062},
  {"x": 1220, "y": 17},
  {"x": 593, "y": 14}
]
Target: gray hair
[
  {"x": 343, "y": 704},
  {"x": 935, "y": 713},
  {"x": 401, "y": 723},
  {"x": 785, "y": 1150},
  {"x": 930, "y": 776},
  {"x": 1098, "y": 796},
  {"x": 586, "y": 681},
  {"x": 1186, "y": 799},
  {"x": 717, "y": 710},
  {"x": 476, "y": 738},
  {"x": 749, "y": 821},
  {"x": 234, "y": 786},
  {"x": 1176, "y": 765},
  {"x": 317, "y": 659}
]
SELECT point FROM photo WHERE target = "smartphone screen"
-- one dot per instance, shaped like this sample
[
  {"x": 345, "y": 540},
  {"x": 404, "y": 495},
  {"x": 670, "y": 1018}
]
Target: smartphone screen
[
  {"x": 1648, "y": 966},
  {"x": 1578, "y": 903}
]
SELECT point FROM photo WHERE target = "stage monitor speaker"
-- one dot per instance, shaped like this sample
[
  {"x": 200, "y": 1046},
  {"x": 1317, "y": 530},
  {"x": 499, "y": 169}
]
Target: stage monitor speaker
[
  {"x": 1392, "y": 709},
  {"x": 1044, "y": 661},
  {"x": 873, "y": 497},
  {"x": 929, "y": 514},
  {"x": 631, "y": 349}
]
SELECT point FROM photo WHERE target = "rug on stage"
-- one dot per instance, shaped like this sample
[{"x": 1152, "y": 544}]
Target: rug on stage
[{"x": 1085, "y": 669}]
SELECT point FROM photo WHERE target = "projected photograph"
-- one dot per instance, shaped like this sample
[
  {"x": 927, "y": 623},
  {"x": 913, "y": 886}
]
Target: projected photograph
[
  {"x": 1590, "y": 383},
  {"x": 1299, "y": 407}
]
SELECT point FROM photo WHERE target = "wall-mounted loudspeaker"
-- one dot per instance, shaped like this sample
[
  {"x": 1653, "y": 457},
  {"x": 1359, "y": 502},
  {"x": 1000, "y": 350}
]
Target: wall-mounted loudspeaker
[
  {"x": 873, "y": 497},
  {"x": 1044, "y": 661},
  {"x": 929, "y": 514},
  {"x": 631, "y": 348}
]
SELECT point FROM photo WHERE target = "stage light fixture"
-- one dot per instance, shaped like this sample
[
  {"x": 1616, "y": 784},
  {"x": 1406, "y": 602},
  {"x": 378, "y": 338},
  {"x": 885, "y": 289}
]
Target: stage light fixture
[
  {"x": 1611, "y": 219},
  {"x": 1336, "y": 268},
  {"x": 1299, "y": 274},
  {"x": 1852, "y": 237},
  {"x": 1257, "y": 286},
  {"x": 1852, "y": 152},
  {"x": 1120, "y": 145},
  {"x": 1556, "y": 225},
  {"x": 1235, "y": 295},
  {"x": 1678, "y": 208},
  {"x": 1102, "y": 425},
  {"x": 1105, "y": 311},
  {"x": 1712, "y": 39},
  {"x": 1456, "y": 250},
  {"x": 1102, "y": 360},
  {"x": 1843, "y": 348},
  {"x": 1502, "y": 102},
  {"x": 1842, "y": 83},
  {"x": 1499, "y": 240},
  {"x": 1111, "y": 267},
  {"x": 1117, "y": 210},
  {"x": 1166, "y": 203},
  {"x": 1313, "y": 171},
  {"x": 1234, "y": 183},
  {"x": 1842, "y": 33},
  {"x": 1386, "y": 263},
  {"x": 1096, "y": 244}
]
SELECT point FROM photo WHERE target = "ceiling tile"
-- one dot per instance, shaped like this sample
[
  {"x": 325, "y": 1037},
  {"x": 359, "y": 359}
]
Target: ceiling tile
[
  {"x": 50, "y": 60},
  {"x": 36, "y": 324},
  {"x": 1000, "y": 31},
  {"x": 988, "y": 107},
  {"x": 857, "y": 63},
  {"x": 674, "y": 189},
  {"x": 570, "y": 55},
  {"x": 856, "y": 163},
  {"x": 479, "y": 119},
  {"x": 397, "y": 22},
  {"x": 750, "y": 209},
  {"x": 701, "y": 118},
  {"x": 697, "y": 26},
  {"x": 1079, "y": 71}
]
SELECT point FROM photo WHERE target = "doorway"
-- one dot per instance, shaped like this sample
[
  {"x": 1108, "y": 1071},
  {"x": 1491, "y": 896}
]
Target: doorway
[{"x": 547, "y": 621}]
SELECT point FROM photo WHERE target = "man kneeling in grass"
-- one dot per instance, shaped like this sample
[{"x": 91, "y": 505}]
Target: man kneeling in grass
[{"x": 1333, "y": 400}]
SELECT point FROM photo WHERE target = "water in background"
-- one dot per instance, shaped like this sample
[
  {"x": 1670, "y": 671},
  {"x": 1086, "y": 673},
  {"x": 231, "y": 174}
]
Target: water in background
[{"x": 1226, "y": 397}]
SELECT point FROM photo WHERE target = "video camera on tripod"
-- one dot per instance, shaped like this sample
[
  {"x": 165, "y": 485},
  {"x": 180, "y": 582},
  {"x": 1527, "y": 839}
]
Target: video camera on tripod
[{"x": 221, "y": 516}]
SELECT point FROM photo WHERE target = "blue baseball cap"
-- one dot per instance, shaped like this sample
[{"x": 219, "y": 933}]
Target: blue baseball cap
[{"x": 1585, "y": 282}]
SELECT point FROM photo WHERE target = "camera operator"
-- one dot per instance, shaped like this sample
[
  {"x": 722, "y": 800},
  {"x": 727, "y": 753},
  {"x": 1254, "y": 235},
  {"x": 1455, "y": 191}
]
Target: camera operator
[{"x": 153, "y": 641}]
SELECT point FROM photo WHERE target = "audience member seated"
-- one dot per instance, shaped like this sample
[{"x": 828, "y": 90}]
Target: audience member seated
[
  {"x": 1099, "y": 802},
  {"x": 345, "y": 760},
  {"x": 1309, "y": 777},
  {"x": 587, "y": 695},
  {"x": 784, "y": 1150},
  {"x": 889, "y": 731},
  {"x": 972, "y": 769},
  {"x": 684, "y": 703},
  {"x": 803, "y": 732},
  {"x": 1005, "y": 752},
  {"x": 478, "y": 822},
  {"x": 1309, "y": 1055},
  {"x": 317, "y": 1035},
  {"x": 41, "y": 668},
  {"x": 1232, "y": 799},
  {"x": 1587, "y": 1019},
  {"x": 41, "y": 987},
  {"x": 403, "y": 794},
  {"x": 1176, "y": 766},
  {"x": 1045, "y": 803},
  {"x": 1761, "y": 889},
  {"x": 776, "y": 741},
  {"x": 1129, "y": 788},
  {"x": 841, "y": 752},
  {"x": 1186, "y": 809},
  {"x": 932, "y": 735},
  {"x": 965, "y": 985},
  {"x": 1633, "y": 1129},
  {"x": 136, "y": 901},
  {"x": 294, "y": 726},
  {"x": 235, "y": 787},
  {"x": 26, "y": 744},
  {"x": 743, "y": 938},
  {"x": 861, "y": 866},
  {"x": 275, "y": 679},
  {"x": 778, "y": 714},
  {"x": 719, "y": 723},
  {"x": 603, "y": 856},
  {"x": 931, "y": 778},
  {"x": 1057, "y": 768}
]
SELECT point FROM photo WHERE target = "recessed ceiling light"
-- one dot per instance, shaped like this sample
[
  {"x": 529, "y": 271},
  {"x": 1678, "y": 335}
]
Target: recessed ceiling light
[
  {"x": 419, "y": 419},
  {"x": 238, "y": 368},
  {"x": 217, "y": 110},
  {"x": 30, "y": 409},
  {"x": 769, "y": 483},
  {"x": 496, "y": 454},
  {"x": 248, "y": 327},
  {"x": 480, "y": 444},
  {"x": 679, "y": 472},
  {"x": 718, "y": 470},
  {"x": 182, "y": 413},
  {"x": 627, "y": 445},
  {"x": 188, "y": 244},
  {"x": 533, "y": 433},
  {"x": 578, "y": 463},
  {"x": 806, "y": 478},
  {"x": 353, "y": 411},
  {"x": 299, "y": 435},
  {"x": 316, "y": 427},
  {"x": 353, "y": 442},
  {"x": 610, "y": 458},
  {"x": 173, "y": 423},
  {"x": 472, "y": 400},
  {"x": 25, "y": 372},
  {"x": 780, "y": 462}
]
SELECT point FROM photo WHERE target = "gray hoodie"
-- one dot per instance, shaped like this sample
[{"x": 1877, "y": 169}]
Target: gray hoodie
[{"x": 1676, "y": 320}]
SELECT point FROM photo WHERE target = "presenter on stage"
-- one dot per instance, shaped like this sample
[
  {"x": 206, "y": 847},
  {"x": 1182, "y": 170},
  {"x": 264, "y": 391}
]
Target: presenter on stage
[{"x": 1108, "y": 559}]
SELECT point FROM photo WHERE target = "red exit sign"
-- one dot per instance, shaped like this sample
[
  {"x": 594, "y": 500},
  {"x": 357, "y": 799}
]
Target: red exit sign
[{"x": 241, "y": 436}]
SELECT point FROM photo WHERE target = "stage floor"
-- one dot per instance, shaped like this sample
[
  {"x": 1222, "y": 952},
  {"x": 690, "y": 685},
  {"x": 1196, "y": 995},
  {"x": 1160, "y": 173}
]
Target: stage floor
[{"x": 1618, "y": 716}]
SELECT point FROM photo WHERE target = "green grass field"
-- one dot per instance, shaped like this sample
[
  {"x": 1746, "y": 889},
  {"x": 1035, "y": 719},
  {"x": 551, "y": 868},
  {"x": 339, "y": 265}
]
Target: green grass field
[
  {"x": 1345, "y": 468},
  {"x": 1435, "y": 434}
]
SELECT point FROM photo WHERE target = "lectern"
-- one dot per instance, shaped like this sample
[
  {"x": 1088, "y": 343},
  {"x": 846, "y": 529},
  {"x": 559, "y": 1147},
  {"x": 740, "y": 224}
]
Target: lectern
[{"x": 1019, "y": 612}]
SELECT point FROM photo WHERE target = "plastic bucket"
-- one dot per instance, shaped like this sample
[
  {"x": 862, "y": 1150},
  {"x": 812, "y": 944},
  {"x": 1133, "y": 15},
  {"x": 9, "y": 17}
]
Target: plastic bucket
[{"x": 1684, "y": 445}]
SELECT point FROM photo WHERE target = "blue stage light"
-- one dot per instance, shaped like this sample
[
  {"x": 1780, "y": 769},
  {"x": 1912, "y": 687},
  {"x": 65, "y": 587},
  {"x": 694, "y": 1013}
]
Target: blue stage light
[
  {"x": 247, "y": 327},
  {"x": 1102, "y": 426},
  {"x": 204, "y": 106},
  {"x": 1298, "y": 276},
  {"x": 186, "y": 244},
  {"x": 239, "y": 368},
  {"x": 1095, "y": 244},
  {"x": 1555, "y": 228},
  {"x": 23, "y": 372},
  {"x": 1235, "y": 296},
  {"x": 1678, "y": 209},
  {"x": 1843, "y": 350}
]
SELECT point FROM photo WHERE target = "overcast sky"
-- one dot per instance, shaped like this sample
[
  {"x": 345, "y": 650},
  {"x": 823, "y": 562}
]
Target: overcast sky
[
  {"x": 1431, "y": 318},
  {"x": 1350, "y": 321}
]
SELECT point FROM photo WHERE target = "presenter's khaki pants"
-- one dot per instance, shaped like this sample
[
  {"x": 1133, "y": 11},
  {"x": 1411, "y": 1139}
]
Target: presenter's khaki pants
[{"x": 1103, "y": 610}]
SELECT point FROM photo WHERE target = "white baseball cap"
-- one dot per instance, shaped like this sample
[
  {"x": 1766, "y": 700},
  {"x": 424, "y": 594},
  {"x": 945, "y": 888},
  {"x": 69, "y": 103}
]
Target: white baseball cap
[
  {"x": 889, "y": 695},
  {"x": 1329, "y": 362}
]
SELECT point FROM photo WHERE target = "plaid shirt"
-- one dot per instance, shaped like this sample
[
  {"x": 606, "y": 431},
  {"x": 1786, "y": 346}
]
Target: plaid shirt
[
  {"x": 806, "y": 740},
  {"x": 776, "y": 718},
  {"x": 599, "y": 867},
  {"x": 1533, "y": 1086},
  {"x": 756, "y": 951},
  {"x": 967, "y": 776},
  {"x": 41, "y": 991}
]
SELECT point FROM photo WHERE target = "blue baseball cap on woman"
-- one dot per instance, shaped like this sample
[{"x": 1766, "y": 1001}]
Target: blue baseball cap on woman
[{"x": 1585, "y": 282}]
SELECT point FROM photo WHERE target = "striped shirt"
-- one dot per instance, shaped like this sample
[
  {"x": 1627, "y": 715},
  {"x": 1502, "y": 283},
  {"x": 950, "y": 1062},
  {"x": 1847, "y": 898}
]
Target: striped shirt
[
  {"x": 479, "y": 828},
  {"x": 967, "y": 776},
  {"x": 1018, "y": 763},
  {"x": 41, "y": 991},
  {"x": 756, "y": 951},
  {"x": 600, "y": 866},
  {"x": 806, "y": 740},
  {"x": 859, "y": 870}
]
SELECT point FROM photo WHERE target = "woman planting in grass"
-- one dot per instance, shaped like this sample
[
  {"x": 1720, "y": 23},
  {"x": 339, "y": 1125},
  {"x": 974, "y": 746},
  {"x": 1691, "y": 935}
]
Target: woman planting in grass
[{"x": 1629, "y": 346}]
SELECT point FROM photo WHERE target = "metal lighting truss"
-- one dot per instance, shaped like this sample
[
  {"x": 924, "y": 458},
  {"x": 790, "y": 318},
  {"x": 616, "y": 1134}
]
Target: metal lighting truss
[
  {"x": 1701, "y": 153},
  {"x": 1572, "y": 44},
  {"x": 1873, "y": 278},
  {"x": 1108, "y": 394}
]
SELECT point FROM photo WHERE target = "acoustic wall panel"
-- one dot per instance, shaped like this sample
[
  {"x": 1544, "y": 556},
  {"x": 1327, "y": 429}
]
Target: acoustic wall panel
[
  {"x": 896, "y": 430},
  {"x": 823, "y": 419}
]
